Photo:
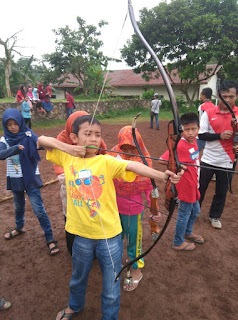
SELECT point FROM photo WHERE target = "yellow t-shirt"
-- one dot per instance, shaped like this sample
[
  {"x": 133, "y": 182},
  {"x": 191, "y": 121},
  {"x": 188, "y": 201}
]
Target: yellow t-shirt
[{"x": 91, "y": 198}]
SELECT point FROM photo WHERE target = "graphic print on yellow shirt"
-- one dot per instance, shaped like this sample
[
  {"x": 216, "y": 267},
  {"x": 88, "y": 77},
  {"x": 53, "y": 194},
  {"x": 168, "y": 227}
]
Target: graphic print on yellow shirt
[
  {"x": 91, "y": 198},
  {"x": 89, "y": 188}
]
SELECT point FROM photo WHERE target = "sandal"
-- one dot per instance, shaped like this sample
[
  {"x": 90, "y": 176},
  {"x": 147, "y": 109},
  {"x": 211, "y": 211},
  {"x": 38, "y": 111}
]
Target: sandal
[
  {"x": 11, "y": 235},
  {"x": 66, "y": 315},
  {"x": 4, "y": 304},
  {"x": 195, "y": 238},
  {"x": 132, "y": 286},
  {"x": 51, "y": 253},
  {"x": 188, "y": 247}
]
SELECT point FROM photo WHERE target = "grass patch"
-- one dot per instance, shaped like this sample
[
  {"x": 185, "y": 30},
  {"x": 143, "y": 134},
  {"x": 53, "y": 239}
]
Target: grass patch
[
  {"x": 48, "y": 123},
  {"x": 115, "y": 117},
  {"x": 7, "y": 100}
]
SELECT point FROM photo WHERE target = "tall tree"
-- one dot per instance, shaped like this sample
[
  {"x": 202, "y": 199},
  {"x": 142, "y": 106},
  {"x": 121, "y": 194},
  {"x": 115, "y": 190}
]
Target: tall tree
[
  {"x": 77, "y": 52},
  {"x": 186, "y": 34},
  {"x": 9, "y": 48}
]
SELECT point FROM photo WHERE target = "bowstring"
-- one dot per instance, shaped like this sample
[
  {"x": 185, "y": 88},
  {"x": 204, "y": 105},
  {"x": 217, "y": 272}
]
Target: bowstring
[
  {"x": 161, "y": 159},
  {"x": 85, "y": 164},
  {"x": 146, "y": 206}
]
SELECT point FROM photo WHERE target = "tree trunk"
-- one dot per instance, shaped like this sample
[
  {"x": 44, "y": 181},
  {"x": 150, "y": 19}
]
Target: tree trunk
[
  {"x": 188, "y": 98},
  {"x": 8, "y": 72}
]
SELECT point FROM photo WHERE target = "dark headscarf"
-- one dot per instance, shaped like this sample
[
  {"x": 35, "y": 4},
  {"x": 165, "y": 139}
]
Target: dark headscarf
[
  {"x": 21, "y": 88},
  {"x": 29, "y": 157}
]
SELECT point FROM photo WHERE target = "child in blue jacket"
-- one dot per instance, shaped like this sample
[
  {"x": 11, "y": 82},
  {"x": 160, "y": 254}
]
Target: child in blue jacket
[
  {"x": 19, "y": 147},
  {"x": 26, "y": 111}
]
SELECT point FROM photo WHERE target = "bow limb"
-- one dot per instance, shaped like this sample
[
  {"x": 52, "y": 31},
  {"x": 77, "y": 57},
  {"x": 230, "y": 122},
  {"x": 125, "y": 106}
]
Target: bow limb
[
  {"x": 235, "y": 134},
  {"x": 159, "y": 65},
  {"x": 174, "y": 129},
  {"x": 154, "y": 195}
]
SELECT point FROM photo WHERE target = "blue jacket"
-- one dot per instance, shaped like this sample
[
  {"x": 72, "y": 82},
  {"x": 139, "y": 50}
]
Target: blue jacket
[{"x": 25, "y": 110}]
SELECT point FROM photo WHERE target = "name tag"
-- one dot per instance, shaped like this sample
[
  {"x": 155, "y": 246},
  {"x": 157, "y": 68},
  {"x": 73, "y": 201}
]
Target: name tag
[
  {"x": 84, "y": 174},
  {"x": 195, "y": 155}
]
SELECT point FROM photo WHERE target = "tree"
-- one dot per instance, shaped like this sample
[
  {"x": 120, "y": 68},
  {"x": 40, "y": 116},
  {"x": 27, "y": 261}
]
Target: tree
[
  {"x": 9, "y": 48},
  {"x": 230, "y": 68},
  {"x": 77, "y": 52},
  {"x": 188, "y": 34}
]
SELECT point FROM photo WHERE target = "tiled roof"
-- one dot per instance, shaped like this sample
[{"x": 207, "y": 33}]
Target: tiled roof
[
  {"x": 127, "y": 78},
  {"x": 69, "y": 82}
]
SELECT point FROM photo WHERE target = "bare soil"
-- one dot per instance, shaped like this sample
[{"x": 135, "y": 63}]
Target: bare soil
[{"x": 176, "y": 285}]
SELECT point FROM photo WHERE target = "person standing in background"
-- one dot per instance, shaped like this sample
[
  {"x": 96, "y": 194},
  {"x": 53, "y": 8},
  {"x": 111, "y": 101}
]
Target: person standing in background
[
  {"x": 154, "y": 112},
  {"x": 205, "y": 98},
  {"x": 70, "y": 104},
  {"x": 49, "y": 90},
  {"x": 26, "y": 111}
]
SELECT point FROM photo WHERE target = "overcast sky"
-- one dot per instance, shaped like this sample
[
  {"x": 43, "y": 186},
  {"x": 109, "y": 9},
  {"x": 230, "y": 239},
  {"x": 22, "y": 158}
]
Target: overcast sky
[{"x": 37, "y": 19}]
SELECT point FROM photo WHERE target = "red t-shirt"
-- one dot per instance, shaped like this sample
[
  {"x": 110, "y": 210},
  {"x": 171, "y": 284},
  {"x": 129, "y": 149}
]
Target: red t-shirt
[
  {"x": 49, "y": 91},
  {"x": 20, "y": 96},
  {"x": 70, "y": 100},
  {"x": 187, "y": 187}
]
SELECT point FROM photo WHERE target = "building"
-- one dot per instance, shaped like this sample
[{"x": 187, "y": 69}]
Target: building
[{"x": 126, "y": 83}]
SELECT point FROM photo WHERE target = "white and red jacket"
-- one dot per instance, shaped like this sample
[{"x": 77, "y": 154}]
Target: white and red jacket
[
  {"x": 204, "y": 107},
  {"x": 217, "y": 152}
]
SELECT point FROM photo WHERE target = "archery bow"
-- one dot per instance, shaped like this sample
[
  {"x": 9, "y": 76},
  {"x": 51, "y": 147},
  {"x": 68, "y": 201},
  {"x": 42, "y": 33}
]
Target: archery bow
[
  {"x": 235, "y": 134},
  {"x": 154, "y": 195},
  {"x": 173, "y": 139}
]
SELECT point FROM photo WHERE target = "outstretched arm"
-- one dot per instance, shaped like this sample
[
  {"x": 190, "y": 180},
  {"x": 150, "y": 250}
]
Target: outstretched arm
[
  {"x": 50, "y": 143},
  {"x": 148, "y": 172}
]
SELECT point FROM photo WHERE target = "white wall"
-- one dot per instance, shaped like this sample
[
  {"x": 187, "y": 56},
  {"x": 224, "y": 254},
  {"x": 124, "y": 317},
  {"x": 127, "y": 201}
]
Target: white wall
[{"x": 212, "y": 83}]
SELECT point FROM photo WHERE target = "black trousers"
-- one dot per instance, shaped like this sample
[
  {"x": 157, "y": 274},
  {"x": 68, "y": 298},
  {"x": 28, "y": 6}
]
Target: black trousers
[
  {"x": 28, "y": 122},
  {"x": 222, "y": 180},
  {"x": 69, "y": 240}
]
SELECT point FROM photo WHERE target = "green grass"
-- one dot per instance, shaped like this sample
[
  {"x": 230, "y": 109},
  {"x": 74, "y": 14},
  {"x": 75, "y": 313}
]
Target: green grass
[
  {"x": 115, "y": 117},
  {"x": 48, "y": 123},
  {"x": 7, "y": 100}
]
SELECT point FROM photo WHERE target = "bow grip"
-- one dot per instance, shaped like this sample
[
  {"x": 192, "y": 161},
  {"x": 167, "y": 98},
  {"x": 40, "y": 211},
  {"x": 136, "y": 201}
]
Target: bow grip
[{"x": 154, "y": 209}]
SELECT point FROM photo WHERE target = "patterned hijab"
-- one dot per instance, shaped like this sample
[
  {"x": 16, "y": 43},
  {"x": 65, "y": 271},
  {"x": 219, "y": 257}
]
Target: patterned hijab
[{"x": 140, "y": 184}]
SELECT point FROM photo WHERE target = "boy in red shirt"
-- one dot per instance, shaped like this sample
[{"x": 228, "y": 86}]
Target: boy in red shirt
[
  {"x": 187, "y": 188},
  {"x": 70, "y": 104}
]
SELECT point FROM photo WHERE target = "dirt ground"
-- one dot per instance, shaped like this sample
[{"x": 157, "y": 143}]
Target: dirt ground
[{"x": 176, "y": 285}]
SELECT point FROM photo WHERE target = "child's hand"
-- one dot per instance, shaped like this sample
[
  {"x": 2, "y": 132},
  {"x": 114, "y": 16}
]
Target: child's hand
[
  {"x": 155, "y": 217},
  {"x": 21, "y": 147},
  {"x": 76, "y": 151},
  {"x": 173, "y": 176},
  {"x": 184, "y": 167}
]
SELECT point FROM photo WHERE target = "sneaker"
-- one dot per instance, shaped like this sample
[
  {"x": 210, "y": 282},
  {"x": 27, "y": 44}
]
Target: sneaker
[{"x": 215, "y": 223}]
